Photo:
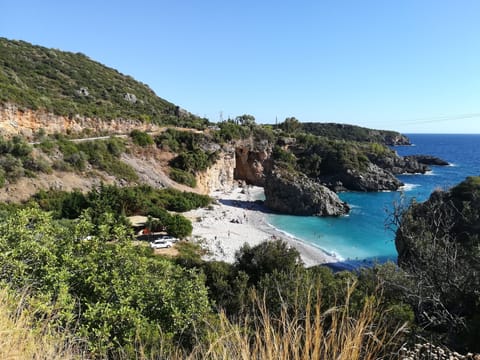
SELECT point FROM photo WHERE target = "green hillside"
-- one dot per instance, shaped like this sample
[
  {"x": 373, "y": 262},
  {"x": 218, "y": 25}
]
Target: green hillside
[
  {"x": 355, "y": 133},
  {"x": 66, "y": 83}
]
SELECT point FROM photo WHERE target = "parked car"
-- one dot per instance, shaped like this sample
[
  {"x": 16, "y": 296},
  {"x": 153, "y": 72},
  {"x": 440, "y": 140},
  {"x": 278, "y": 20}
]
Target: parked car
[
  {"x": 168, "y": 238},
  {"x": 160, "y": 244}
]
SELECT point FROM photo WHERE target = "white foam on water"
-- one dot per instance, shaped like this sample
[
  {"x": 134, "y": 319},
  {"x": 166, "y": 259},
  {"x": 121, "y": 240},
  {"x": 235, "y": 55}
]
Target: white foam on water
[{"x": 408, "y": 187}]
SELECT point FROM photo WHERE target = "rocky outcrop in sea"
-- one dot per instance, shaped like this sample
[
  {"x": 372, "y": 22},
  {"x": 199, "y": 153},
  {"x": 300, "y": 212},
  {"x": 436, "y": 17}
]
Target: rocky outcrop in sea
[
  {"x": 293, "y": 193},
  {"x": 373, "y": 178},
  {"x": 427, "y": 160}
]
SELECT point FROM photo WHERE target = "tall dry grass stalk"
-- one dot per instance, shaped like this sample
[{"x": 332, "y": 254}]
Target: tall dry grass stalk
[
  {"x": 23, "y": 338},
  {"x": 336, "y": 333},
  {"x": 312, "y": 333}
]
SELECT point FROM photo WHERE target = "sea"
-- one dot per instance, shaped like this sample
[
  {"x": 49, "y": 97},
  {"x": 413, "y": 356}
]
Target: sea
[{"x": 366, "y": 235}]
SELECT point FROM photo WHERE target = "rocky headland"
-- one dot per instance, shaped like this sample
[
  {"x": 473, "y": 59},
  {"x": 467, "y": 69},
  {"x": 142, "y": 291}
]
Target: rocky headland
[
  {"x": 304, "y": 192},
  {"x": 294, "y": 193},
  {"x": 427, "y": 160}
]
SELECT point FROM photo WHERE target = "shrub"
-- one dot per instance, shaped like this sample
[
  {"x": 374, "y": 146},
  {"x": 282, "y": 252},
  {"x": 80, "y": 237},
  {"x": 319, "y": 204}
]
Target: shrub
[
  {"x": 77, "y": 160},
  {"x": 141, "y": 138},
  {"x": 284, "y": 156},
  {"x": 265, "y": 258},
  {"x": 61, "y": 165},
  {"x": 12, "y": 166},
  {"x": 231, "y": 131},
  {"x": 193, "y": 161},
  {"x": 102, "y": 154},
  {"x": 437, "y": 243},
  {"x": 179, "y": 226},
  {"x": 183, "y": 177},
  {"x": 38, "y": 164}
]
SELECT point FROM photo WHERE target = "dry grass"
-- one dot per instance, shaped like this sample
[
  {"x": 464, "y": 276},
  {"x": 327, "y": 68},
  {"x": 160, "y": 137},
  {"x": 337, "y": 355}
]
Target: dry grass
[
  {"x": 20, "y": 339},
  {"x": 315, "y": 334},
  {"x": 337, "y": 333}
]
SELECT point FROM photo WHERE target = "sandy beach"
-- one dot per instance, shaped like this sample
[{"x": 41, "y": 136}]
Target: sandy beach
[{"x": 236, "y": 219}]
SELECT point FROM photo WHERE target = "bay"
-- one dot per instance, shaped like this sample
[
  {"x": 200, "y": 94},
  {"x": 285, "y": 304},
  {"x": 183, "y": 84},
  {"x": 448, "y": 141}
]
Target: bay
[{"x": 365, "y": 235}]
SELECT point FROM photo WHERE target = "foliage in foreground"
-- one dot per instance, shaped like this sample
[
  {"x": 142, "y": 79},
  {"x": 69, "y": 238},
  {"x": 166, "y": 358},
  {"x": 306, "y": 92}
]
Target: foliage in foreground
[
  {"x": 125, "y": 302},
  {"x": 318, "y": 332},
  {"x": 109, "y": 290},
  {"x": 438, "y": 242},
  {"x": 314, "y": 333},
  {"x": 23, "y": 336}
]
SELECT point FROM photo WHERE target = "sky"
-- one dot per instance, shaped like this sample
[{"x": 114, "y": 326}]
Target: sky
[{"x": 406, "y": 65}]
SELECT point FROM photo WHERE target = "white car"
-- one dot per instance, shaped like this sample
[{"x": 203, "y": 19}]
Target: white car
[
  {"x": 168, "y": 238},
  {"x": 160, "y": 244}
]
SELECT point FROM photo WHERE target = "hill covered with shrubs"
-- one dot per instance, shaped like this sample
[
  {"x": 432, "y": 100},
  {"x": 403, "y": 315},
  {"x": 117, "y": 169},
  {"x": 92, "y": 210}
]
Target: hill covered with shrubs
[{"x": 70, "y": 84}]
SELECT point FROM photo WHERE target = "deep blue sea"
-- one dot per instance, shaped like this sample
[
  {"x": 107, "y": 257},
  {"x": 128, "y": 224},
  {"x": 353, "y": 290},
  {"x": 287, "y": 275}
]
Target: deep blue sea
[{"x": 362, "y": 235}]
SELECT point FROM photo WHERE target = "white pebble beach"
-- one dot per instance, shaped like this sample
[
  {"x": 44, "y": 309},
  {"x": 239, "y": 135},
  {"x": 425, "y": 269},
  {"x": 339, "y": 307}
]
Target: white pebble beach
[{"x": 235, "y": 219}]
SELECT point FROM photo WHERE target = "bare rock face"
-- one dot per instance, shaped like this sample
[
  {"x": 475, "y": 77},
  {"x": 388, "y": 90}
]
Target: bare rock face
[
  {"x": 252, "y": 162},
  {"x": 397, "y": 140},
  {"x": 15, "y": 120},
  {"x": 373, "y": 178},
  {"x": 428, "y": 160},
  {"x": 396, "y": 164},
  {"x": 220, "y": 175},
  {"x": 295, "y": 194}
]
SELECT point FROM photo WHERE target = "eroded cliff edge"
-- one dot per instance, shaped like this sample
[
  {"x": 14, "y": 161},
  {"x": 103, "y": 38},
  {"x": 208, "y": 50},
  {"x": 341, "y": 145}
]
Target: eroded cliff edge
[{"x": 15, "y": 120}]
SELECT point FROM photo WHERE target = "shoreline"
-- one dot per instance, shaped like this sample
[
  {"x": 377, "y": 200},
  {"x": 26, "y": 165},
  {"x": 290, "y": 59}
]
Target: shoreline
[{"x": 235, "y": 219}]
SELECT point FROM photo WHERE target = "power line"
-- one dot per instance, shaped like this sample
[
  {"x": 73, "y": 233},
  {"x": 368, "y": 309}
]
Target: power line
[{"x": 437, "y": 119}]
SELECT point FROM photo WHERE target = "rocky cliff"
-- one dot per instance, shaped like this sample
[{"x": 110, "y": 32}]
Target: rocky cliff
[
  {"x": 250, "y": 161},
  {"x": 397, "y": 165},
  {"x": 220, "y": 176},
  {"x": 17, "y": 121},
  {"x": 373, "y": 178},
  {"x": 253, "y": 161},
  {"x": 427, "y": 160},
  {"x": 293, "y": 193}
]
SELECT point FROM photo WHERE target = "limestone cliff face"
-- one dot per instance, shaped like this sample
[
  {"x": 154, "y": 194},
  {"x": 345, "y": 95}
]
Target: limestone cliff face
[
  {"x": 14, "y": 121},
  {"x": 252, "y": 161},
  {"x": 220, "y": 176},
  {"x": 397, "y": 140},
  {"x": 244, "y": 160}
]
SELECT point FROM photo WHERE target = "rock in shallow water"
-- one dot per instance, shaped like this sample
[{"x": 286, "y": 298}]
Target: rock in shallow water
[{"x": 293, "y": 193}]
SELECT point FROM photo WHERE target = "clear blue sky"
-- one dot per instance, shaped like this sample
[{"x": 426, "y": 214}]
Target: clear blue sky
[{"x": 407, "y": 65}]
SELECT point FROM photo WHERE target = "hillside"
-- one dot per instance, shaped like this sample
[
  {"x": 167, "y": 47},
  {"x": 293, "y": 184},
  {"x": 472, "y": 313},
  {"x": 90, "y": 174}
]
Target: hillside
[
  {"x": 71, "y": 84},
  {"x": 44, "y": 92},
  {"x": 355, "y": 133}
]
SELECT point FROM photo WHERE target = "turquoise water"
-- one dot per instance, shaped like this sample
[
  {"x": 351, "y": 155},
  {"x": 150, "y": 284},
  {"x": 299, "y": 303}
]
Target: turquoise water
[{"x": 364, "y": 233}]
